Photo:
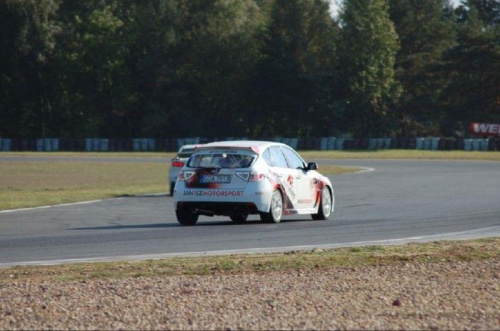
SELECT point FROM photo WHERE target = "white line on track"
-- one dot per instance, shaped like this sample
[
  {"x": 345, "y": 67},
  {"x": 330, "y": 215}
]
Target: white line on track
[
  {"x": 80, "y": 203},
  {"x": 463, "y": 235},
  {"x": 365, "y": 169},
  {"x": 52, "y": 206}
]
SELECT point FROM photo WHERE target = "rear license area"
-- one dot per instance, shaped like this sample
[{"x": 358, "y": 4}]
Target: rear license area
[
  {"x": 218, "y": 179},
  {"x": 215, "y": 179}
]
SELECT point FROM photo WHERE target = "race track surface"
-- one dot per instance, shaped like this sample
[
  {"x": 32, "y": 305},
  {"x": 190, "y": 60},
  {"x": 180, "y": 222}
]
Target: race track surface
[{"x": 399, "y": 201}]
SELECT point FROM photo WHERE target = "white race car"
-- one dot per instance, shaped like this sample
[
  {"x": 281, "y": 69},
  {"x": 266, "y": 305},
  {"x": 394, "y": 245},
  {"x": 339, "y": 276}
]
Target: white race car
[{"x": 238, "y": 178}]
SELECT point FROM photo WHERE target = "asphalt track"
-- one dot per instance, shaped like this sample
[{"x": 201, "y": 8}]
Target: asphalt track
[{"x": 400, "y": 201}]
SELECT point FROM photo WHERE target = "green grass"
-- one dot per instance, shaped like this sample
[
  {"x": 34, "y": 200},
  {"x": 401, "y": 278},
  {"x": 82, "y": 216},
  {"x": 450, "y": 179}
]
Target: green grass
[
  {"x": 351, "y": 257},
  {"x": 30, "y": 184},
  {"x": 336, "y": 170}
]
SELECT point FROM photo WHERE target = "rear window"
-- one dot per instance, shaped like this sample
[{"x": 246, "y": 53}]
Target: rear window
[{"x": 221, "y": 160}]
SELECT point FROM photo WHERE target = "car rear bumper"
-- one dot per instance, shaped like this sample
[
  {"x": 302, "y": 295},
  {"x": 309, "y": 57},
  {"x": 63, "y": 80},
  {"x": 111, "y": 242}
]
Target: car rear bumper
[
  {"x": 256, "y": 195},
  {"x": 209, "y": 208},
  {"x": 172, "y": 175}
]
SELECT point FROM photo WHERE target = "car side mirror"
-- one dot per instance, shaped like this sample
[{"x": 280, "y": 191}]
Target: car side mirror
[{"x": 312, "y": 166}]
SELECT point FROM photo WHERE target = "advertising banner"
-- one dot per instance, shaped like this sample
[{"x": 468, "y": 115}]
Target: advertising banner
[{"x": 485, "y": 129}]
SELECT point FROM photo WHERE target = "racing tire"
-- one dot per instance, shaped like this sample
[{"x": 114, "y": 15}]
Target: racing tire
[
  {"x": 172, "y": 186},
  {"x": 186, "y": 217},
  {"x": 325, "y": 206},
  {"x": 275, "y": 210},
  {"x": 239, "y": 218}
]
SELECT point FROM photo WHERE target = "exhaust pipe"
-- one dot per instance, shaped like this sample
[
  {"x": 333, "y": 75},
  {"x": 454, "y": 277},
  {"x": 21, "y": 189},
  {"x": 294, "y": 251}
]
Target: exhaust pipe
[{"x": 204, "y": 212}]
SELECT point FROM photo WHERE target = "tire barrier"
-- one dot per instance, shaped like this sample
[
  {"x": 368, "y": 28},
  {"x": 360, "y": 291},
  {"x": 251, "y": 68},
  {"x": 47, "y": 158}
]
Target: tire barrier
[
  {"x": 47, "y": 145},
  {"x": 288, "y": 141},
  {"x": 172, "y": 144},
  {"x": 326, "y": 143},
  {"x": 5, "y": 144}
]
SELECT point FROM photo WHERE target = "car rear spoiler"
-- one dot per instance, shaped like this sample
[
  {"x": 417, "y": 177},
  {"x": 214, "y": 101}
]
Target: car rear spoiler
[{"x": 254, "y": 149}]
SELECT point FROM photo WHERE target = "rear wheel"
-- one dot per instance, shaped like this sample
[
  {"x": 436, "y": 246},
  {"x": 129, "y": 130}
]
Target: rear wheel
[
  {"x": 186, "y": 217},
  {"x": 239, "y": 218},
  {"x": 276, "y": 209},
  {"x": 172, "y": 186},
  {"x": 325, "y": 208}
]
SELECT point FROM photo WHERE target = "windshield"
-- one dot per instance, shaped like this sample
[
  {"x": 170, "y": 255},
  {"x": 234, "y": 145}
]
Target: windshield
[{"x": 223, "y": 160}]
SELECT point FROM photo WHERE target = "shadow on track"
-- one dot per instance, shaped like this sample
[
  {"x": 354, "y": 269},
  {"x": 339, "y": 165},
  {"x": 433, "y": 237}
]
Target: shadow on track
[
  {"x": 130, "y": 226},
  {"x": 199, "y": 224},
  {"x": 152, "y": 195}
]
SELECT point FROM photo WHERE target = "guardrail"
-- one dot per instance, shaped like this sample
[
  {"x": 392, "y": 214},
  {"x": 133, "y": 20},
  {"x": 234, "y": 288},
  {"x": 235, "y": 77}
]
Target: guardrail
[{"x": 173, "y": 144}]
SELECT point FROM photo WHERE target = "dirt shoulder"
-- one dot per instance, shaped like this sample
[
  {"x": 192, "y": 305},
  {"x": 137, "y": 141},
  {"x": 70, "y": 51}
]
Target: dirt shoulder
[{"x": 446, "y": 285}]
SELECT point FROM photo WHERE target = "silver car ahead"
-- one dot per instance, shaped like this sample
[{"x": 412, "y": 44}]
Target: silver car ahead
[{"x": 178, "y": 162}]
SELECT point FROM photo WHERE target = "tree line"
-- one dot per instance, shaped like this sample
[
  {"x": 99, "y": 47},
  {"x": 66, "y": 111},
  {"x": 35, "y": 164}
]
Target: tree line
[{"x": 253, "y": 68}]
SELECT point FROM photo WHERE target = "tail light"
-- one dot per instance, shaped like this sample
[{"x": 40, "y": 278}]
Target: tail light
[
  {"x": 178, "y": 164},
  {"x": 185, "y": 175},
  {"x": 250, "y": 176}
]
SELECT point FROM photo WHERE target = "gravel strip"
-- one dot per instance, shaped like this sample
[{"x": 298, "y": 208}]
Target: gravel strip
[{"x": 447, "y": 295}]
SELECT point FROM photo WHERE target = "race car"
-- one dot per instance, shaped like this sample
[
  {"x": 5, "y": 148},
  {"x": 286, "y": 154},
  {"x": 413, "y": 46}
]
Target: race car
[
  {"x": 178, "y": 162},
  {"x": 239, "y": 178}
]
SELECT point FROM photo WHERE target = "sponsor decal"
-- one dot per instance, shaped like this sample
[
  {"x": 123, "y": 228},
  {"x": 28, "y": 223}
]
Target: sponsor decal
[
  {"x": 485, "y": 129},
  {"x": 273, "y": 177},
  {"x": 319, "y": 188},
  {"x": 305, "y": 200},
  {"x": 213, "y": 193},
  {"x": 312, "y": 183},
  {"x": 289, "y": 180},
  {"x": 278, "y": 182}
]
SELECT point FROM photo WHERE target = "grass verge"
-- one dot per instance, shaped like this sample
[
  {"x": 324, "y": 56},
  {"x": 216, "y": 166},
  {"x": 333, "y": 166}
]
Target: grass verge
[
  {"x": 434, "y": 252},
  {"x": 30, "y": 184}
]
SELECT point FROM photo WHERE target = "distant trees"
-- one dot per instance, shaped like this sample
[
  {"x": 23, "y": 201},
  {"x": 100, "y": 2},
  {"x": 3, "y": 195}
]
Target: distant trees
[
  {"x": 28, "y": 33},
  {"x": 473, "y": 66},
  {"x": 254, "y": 68},
  {"x": 93, "y": 85},
  {"x": 426, "y": 30},
  {"x": 191, "y": 61},
  {"x": 294, "y": 75},
  {"x": 369, "y": 46}
]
